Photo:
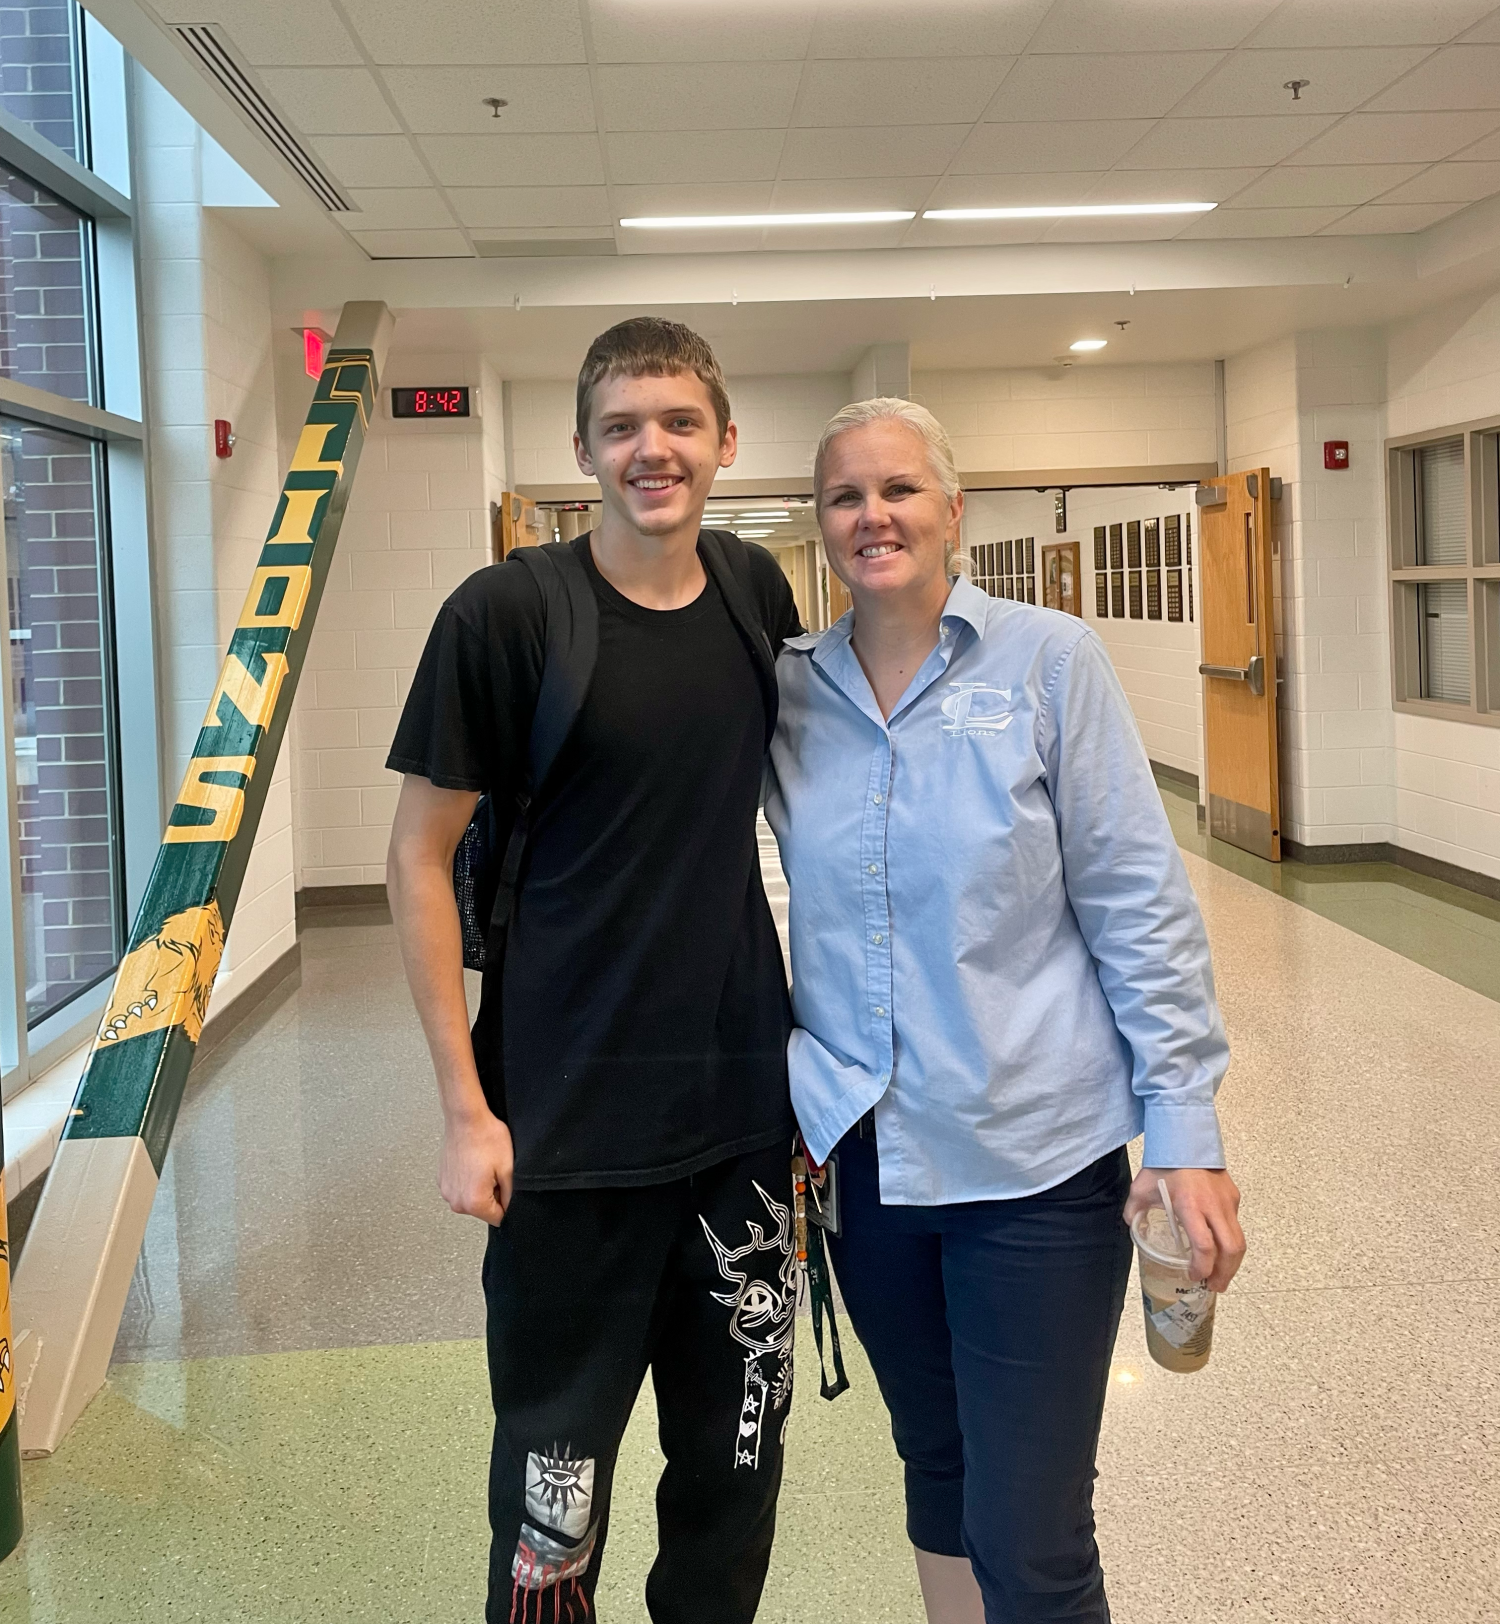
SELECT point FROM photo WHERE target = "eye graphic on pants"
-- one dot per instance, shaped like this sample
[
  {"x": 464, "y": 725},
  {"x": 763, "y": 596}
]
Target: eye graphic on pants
[
  {"x": 560, "y": 1492},
  {"x": 757, "y": 1304}
]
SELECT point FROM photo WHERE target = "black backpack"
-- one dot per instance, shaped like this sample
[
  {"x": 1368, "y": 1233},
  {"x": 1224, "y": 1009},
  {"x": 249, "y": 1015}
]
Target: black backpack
[{"x": 487, "y": 864}]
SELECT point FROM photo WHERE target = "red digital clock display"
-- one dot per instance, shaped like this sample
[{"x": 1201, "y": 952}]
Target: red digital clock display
[{"x": 438, "y": 400}]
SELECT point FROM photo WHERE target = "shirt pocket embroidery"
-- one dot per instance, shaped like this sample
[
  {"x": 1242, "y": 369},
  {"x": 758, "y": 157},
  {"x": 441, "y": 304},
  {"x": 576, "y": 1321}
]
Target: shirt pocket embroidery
[{"x": 976, "y": 710}]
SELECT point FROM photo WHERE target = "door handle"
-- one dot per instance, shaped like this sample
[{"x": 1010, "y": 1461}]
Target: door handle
[{"x": 1254, "y": 673}]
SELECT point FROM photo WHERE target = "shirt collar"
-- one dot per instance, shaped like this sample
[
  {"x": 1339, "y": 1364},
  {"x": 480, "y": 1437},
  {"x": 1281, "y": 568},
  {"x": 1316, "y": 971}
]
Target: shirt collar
[{"x": 966, "y": 604}]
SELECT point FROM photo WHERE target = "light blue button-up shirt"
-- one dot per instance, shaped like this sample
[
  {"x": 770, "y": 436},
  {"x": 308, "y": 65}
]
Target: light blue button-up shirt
[{"x": 994, "y": 942}]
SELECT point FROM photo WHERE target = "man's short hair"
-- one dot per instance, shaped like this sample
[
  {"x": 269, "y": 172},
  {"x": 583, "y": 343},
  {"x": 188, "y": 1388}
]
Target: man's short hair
[{"x": 648, "y": 347}]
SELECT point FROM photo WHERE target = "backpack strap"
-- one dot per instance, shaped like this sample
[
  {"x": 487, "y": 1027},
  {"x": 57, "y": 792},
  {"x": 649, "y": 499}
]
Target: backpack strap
[
  {"x": 728, "y": 561},
  {"x": 571, "y": 652}
]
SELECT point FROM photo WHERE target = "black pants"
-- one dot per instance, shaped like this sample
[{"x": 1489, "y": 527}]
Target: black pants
[
  {"x": 990, "y": 1326},
  {"x": 587, "y": 1289}
]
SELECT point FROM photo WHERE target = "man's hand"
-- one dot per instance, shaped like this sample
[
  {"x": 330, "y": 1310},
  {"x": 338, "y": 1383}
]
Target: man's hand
[
  {"x": 1207, "y": 1206},
  {"x": 478, "y": 1161}
]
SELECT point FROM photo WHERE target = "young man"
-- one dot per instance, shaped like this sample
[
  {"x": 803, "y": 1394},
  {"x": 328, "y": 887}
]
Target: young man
[{"x": 629, "y": 1141}]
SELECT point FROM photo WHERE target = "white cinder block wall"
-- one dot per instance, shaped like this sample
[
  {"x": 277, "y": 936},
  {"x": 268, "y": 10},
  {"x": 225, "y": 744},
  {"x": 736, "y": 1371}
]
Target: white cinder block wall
[
  {"x": 417, "y": 524},
  {"x": 206, "y": 300},
  {"x": 1156, "y": 660},
  {"x": 1091, "y": 415},
  {"x": 1444, "y": 368},
  {"x": 1282, "y": 401}
]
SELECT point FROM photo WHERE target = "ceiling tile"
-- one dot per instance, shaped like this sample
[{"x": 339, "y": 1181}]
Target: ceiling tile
[
  {"x": 1095, "y": 87},
  {"x": 1254, "y": 81},
  {"x": 514, "y": 207},
  {"x": 515, "y": 160},
  {"x": 909, "y": 149},
  {"x": 1462, "y": 76},
  {"x": 371, "y": 160},
  {"x": 732, "y": 96},
  {"x": 466, "y": 32},
  {"x": 1229, "y": 143},
  {"x": 954, "y": 28},
  {"x": 1398, "y": 137},
  {"x": 973, "y": 233},
  {"x": 331, "y": 101},
  {"x": 1262, "y": 223},
  {"x": 744, "y": 197},
  {"x": 917, "y": 91},
  {"x": 808, "y": 196},
  {"x": 1380, "y": 218},
  {"x": 272, "y": 33},
  {"x": 1481, "y": 151},
  {"x": 1488, "y": 31},
  {"x": 645, "y": 157},
  {"x": 1012, "y": 191},
  {"x": 1129, "y": 228},
  {"x": 803, "y": 238},
  {"x": 442, "y": 101},
  {"x": 414, "y": 244},
  {"x": 1171, "y": 185},
  {"x": 668, "y": 31},
  {"x": 1388, "y": 22},
  {"x": 1080, "y": 144},
  {"x": 1449, "y": 183},
  {"x": 1311, "y": 185},
  {"x": 403, "y": 207},
  {"x": 1148, "y": 25}
]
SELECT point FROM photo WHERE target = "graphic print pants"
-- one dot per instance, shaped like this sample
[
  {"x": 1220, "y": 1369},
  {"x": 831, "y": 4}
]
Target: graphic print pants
[{"x": 586, "y": 1290}]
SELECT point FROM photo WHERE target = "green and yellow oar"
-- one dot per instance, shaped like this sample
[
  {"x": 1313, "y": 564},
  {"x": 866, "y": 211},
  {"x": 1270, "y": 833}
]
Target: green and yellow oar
[{"x": 86, "y": 1236}]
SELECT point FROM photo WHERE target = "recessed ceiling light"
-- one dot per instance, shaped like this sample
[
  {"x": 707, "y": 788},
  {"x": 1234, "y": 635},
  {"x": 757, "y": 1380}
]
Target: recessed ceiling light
[
  {"x": 1088, "y": 344},
  {"x": 710, "y": 222},
  {"x": 1067, "y": 211}
]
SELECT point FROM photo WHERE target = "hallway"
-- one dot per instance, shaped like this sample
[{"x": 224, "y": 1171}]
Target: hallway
[{"x": 296, "y": 1425}]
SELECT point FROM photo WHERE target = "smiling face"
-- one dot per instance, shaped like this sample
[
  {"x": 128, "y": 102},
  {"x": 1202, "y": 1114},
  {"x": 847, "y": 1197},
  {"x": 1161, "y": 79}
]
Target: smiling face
[
  {"x": 887, "y": 526},
  {"x": 654, "y": 446}
]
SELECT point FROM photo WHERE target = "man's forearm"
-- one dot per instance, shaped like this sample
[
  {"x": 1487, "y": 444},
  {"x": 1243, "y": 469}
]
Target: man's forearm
[{"x": 427, "y": 927}]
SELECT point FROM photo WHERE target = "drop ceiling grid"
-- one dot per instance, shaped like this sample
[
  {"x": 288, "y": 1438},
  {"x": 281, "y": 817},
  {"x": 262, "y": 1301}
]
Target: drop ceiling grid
[{"x": 1039, "y": 62}]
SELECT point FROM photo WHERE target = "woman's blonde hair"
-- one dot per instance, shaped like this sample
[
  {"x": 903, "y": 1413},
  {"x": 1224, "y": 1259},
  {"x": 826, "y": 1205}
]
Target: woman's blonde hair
[{"x": 893, "y": 409}]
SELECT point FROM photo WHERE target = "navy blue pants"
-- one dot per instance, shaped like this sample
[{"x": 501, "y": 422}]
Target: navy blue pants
[{"x": 990, "y": 1326}]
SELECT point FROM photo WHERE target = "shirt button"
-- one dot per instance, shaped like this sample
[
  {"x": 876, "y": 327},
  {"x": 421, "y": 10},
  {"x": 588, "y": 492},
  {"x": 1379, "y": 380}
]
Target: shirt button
[
  {"x": 880, "y": 1009},
  {"x": 874, "y": 868},
  {"x": 879, "y": 799},
  {"x": 877, "y": 938}
]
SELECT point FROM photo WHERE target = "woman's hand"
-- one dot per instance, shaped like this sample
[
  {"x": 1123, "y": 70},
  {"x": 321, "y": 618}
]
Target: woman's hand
[{"x": 1207, "y": 1206}]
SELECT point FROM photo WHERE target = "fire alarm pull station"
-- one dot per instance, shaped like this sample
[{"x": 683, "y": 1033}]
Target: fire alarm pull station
[
  {"x": 223, "y": 437},
  {"x": 1336, "y": 454}
]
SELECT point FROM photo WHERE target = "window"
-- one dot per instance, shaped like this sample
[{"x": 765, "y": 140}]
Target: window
[
  {"x": 1443, "y": 498},
  {"x": 79, "y": 816}
]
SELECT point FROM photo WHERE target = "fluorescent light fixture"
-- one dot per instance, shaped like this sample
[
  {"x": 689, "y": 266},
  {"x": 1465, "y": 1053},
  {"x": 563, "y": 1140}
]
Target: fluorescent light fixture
[
  {"x": 752, "y": 534},
  {"x": 1088, "y": 344},
  {"x": 1068, "y": 211},
  {"x": 731, "y": 222}
]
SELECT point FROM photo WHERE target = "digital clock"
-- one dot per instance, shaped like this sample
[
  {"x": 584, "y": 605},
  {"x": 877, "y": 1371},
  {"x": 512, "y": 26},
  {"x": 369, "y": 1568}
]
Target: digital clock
[{"x": 437, "y": 400}]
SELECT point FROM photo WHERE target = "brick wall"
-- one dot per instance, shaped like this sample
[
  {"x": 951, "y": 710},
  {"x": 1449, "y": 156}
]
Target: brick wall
[
  {"x": 37, "y": 83},
  {"x": 68, "y": 834},
  {"x": 43, "y": 328}
]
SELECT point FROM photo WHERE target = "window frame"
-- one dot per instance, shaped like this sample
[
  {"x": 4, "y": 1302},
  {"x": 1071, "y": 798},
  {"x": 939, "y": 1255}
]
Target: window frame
[
  {"x": 1480, "y": 571},
  {"x": 117, "y": 427}
]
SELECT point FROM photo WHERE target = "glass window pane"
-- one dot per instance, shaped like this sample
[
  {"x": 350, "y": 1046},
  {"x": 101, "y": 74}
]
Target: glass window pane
[
  {"x": 1443, "y": 630},
  {"x": 62, "y": 691},
  {"x": 46, "y": 331},
  {"x": 1441, "y": 535},
  {"x": 39, "y": 71}
]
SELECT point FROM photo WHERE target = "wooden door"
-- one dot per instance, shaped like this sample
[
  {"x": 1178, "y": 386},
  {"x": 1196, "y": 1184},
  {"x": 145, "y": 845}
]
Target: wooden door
[
  {"x": 1061, "y": 578},
  {"x": 1241, "y": 770}
]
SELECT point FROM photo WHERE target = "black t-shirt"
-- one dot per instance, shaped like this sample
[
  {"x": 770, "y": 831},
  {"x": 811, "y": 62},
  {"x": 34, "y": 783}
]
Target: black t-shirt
[{"x": 643, "y": 997}]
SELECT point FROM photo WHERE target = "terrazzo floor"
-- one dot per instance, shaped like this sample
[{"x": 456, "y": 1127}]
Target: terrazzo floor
[{"x": 296, "y": 1425}]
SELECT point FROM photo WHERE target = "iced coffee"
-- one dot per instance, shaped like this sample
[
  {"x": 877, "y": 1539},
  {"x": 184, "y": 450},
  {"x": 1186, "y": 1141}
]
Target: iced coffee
[{"x": 1179, "y": 1309}]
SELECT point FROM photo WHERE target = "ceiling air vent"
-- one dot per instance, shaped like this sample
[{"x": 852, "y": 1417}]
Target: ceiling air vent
[{"x": 220, "y": 61}]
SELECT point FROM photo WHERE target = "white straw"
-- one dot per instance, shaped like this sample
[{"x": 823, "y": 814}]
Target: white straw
[{"x": 1166, "y": 1201}]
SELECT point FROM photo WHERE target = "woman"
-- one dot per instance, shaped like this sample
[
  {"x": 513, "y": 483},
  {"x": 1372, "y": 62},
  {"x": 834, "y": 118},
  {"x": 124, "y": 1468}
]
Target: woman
[{"x": 1000, "y": 977}]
